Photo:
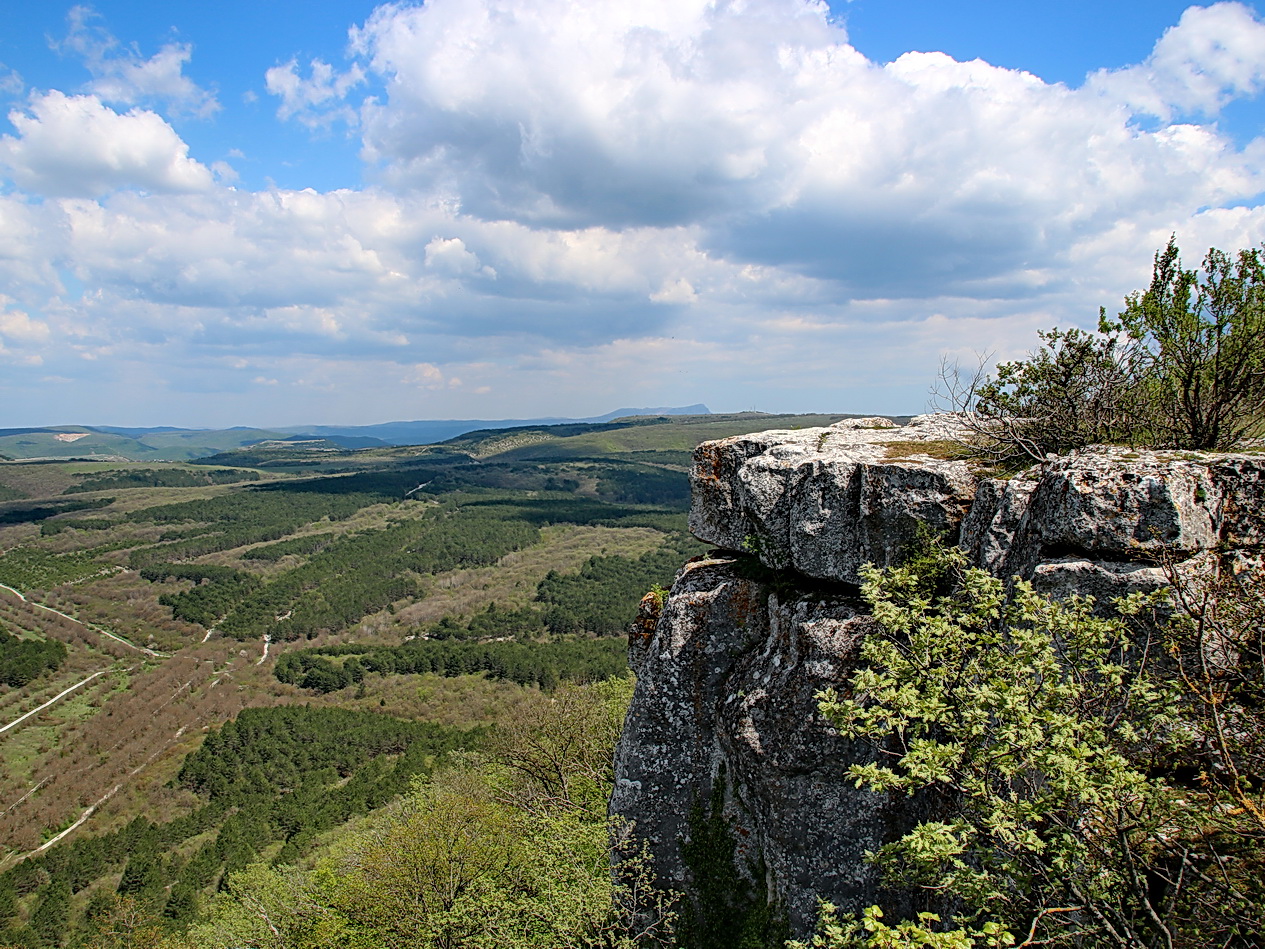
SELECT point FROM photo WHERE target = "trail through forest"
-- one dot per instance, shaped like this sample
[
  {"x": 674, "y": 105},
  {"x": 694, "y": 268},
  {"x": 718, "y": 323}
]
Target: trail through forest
[{"x": 53, "y": 701}]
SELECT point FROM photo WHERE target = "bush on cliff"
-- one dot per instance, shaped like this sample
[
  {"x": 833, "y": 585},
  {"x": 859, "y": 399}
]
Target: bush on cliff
[
  {"x": 1183, "y": 366},
  {"x": 1053, "y": 751}
]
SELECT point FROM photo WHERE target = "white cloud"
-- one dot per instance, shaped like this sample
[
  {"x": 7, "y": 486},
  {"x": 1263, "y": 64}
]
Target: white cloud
[
  {"x": 318, "y": 100},
  {"x": 18, "y": 326},
  {"x": 11, "y": 83},
  {"x": 760, "y": 125},
  {"x": 121, "y": 75},
  {"x": 449, "y": 255},
  {"x": 1212, "y": 55},
  {"x": 20, "y": 335},
  {"x": 680, "y": 198},
  {"x": 76, "y": 146},
  {"x": 676, "y": 291}
]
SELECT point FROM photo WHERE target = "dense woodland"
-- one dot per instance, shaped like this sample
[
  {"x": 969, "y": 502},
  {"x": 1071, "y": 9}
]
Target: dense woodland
[
  {"x": 24, "y": 659},
  {"x": 264, "y": 674}
]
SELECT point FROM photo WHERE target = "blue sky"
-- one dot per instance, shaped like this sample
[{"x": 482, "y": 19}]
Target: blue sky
[{"x": 277, "y": 213}]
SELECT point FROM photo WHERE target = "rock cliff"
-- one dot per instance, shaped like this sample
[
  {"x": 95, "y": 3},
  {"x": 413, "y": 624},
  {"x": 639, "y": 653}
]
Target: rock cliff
[{"x": 728, "y": 669}]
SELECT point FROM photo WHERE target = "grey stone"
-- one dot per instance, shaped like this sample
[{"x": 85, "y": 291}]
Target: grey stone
[
  {"x": 727, "y": 691},
  {"x": 823, "y": 507},
  {"x": 729, "y": 669},
  {"x": 1103, "y": 580},
  {"x": 988, "y": 530}
]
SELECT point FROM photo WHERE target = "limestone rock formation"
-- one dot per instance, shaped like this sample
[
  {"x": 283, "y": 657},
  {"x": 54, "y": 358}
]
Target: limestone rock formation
[{"x": 729, "y": 669}]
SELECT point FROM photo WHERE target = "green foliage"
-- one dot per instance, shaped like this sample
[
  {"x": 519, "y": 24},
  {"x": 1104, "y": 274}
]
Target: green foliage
[
  {"x": 1036, "y": 735},
  {"x": 23, "y": 660},
  {"x": 216, "y": 590},
  {"x": 29, "y": 568},
  {"x": 1182, "y": 367},
  {"x": 243, "y": 517},
  {"x": 644, "y": 484},
  {"x": 361, "y": 573},
  {"x": 1201, "y": 348},
  {"x": 308, "y": 544},
  {"x": 558, "y": 752},
  {"x": 543, "y": 664},
  {"x": 344, "y": 578},
  {"x": 493, "y": 622},
  {"x": 484, "y": 855},
  {"x": 1075, "y": 390},
  {"x": 725, "y": 910},
  {"x": 1217, "y": 642},
  {"x": 161, "y": 478},
  {"x": 30, "y": 513},
  {"x": 268, "y": 751},
  {"x": 602, "y": 598},
  {"x": 274, "y": 775},
  {"x": 53, "y": 528},
  {"x": 925, "y": 932},
  {"x": 50, "y": 914}
]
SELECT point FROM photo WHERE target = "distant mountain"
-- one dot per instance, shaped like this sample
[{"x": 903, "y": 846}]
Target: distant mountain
[
  {"x": 113, "y": 444},
  {"x": 165, "y": 443},
  {"x": 429, "y": 431}
]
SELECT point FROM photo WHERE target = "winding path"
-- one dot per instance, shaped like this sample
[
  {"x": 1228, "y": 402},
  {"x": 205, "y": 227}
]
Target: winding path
[
  {"x": 60, "y": 695},
  {"x": 96, "y": 629}
]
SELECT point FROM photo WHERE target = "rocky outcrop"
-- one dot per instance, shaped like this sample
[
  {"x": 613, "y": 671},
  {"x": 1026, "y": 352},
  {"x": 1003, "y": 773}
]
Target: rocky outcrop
[
  {"x": 822, "y": 502},
  {"x": 729, "y": 669}
]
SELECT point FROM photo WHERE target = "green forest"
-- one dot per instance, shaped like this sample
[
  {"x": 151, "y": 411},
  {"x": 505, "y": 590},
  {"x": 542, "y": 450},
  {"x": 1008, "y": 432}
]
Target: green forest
[
  {"x": 273, "y": 670},
  {"x": 22, "y": 660}
]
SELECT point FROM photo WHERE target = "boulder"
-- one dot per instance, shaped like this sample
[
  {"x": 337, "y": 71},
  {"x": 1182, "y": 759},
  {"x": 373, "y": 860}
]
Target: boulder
[{"x": 822, "y": 502}]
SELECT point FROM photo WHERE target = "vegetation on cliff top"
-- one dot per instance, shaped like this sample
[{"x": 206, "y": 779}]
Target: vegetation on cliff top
[{"x": 1182, "y": 366}]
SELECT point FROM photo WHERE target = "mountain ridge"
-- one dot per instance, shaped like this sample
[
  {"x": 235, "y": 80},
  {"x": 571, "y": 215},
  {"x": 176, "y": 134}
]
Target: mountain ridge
[{"x": 169, "y": 443}]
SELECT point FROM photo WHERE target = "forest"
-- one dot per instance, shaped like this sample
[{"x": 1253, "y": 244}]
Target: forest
[{"x": 255, "y": 675}]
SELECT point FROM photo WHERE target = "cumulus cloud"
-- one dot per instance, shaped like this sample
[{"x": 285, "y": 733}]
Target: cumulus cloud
[
  {"x": 77, "y": 146},
  {"x": 581, "y": 198},
  {"x": 583, "y": 113},
  {"x": 121, "y": 75},
  {"x": 318, "y": 100},
  {"x": 365, "y": 271},
  {"x": 20, "y": 335},
  {"x": 449, "y": 255},
  {"x": 18, "y": 326},
  {"x": 761, "y": 125},
  {"x": 1211, "y": 56}
]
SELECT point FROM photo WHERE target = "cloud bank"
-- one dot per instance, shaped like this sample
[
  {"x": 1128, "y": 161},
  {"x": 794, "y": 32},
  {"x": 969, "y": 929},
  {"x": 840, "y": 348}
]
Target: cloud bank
[{"x": 590, "y": 201}]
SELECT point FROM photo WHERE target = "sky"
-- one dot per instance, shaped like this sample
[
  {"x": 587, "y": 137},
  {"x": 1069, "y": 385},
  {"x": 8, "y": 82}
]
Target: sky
[{"x": 285, "y": 213}]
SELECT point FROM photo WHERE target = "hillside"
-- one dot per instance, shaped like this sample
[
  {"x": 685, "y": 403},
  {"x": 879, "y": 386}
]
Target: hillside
[
  {"x": 444, "y": 584},
  {"x": 165, "y": 443}
]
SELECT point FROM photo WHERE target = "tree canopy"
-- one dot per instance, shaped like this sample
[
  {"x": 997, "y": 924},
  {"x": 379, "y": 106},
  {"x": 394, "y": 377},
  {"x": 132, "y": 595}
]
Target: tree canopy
[{"x": 1182, "y": 366}]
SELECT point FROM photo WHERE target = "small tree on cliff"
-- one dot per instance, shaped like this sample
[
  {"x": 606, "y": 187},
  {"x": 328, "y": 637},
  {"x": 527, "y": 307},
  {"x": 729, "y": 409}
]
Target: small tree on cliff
[
  {"x": 1183, "y": 366},
  {"x": 1048, "y": 747}
]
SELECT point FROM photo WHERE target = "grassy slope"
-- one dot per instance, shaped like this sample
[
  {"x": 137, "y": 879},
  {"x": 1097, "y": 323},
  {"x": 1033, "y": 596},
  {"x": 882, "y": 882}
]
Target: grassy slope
[{"x": 161, "y": 446}]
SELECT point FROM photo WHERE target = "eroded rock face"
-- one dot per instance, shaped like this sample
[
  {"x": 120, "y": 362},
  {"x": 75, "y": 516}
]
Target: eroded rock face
[
  {"x": 727, "y": 693},
  {"x": 729, "y": 671},
  {"x": 824, "y": 501}
]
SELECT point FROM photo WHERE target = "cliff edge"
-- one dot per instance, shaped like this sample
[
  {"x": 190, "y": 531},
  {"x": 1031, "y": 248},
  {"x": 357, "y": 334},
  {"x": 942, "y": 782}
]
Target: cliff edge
[{"x": 724, "y": 726}]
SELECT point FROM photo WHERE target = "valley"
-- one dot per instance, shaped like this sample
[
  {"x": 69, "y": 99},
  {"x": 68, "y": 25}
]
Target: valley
[{"x": 446, "y": 585}]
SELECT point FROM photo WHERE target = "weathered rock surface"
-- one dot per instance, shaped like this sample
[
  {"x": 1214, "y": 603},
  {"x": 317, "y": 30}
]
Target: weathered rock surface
[
  {"x": 727, "y": 693},
  {"x": 824, "y": 501},
  {"x": 728, "y": 673}
]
